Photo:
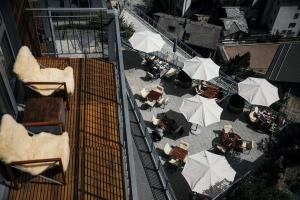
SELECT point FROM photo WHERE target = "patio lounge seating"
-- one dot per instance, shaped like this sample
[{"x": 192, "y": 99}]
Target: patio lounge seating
[
  {"x": 44, "y": 81},
  {"x": 184, "y": 145},
  {"x": 167, "y": 149},
  {"x": 32, "y": 154}
]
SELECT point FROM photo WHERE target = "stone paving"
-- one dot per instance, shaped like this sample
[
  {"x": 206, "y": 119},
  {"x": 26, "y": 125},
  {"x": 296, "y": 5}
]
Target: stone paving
[{"x": 205, "y": 136}]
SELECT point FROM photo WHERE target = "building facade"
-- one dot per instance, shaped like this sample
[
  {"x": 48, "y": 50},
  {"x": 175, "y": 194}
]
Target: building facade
[{"x": 282, "y": 17}]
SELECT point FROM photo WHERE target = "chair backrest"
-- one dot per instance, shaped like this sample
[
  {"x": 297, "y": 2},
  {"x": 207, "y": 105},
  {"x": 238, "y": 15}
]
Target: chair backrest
[
  {"x": 26, "y": 66},
  {"x": 167, "y": 149},
  {"x": 160, "y": 88},
  {"x": 227, "y": 128},
  {"x": 184, "y": 145},
  {"x": 155, "y": 120},
  {"x": 166, "y": 100}
]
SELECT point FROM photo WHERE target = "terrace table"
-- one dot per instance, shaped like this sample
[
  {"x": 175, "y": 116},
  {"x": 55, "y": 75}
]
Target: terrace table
[
  {"x": 154, "y": 95},
  {"x": 178, "y": 153},
  {"x": 231, "y": 139}
]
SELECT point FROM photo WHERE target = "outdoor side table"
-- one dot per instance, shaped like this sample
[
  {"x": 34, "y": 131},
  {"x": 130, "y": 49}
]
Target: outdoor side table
[
  {"x": 46, "y": 113},
  {"x": 178, "y": 153},
  {"x": 154, "y": 95}
]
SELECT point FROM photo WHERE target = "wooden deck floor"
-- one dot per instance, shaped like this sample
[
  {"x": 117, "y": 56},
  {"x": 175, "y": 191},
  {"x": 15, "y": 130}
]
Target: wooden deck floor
[{"x": 95, "y": 168}]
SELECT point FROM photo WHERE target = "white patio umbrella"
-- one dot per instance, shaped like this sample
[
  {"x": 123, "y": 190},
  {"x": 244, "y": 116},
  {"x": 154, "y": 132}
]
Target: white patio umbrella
[
  {"x": 146, "y": 41},
  {"x": 200, "y": 110},
  {"x": 258, "y": 91},
  {"x": 204, "y": 170},
  {"x": 201, "y": 68}
]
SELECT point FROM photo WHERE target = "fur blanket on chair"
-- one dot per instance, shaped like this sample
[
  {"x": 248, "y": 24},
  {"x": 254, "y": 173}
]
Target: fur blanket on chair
[
  {"x": 28, "y": 69},
  {"x": 17, "y": 145}
]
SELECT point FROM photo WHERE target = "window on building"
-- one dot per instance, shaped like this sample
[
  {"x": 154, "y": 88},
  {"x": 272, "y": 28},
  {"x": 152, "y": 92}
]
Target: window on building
[
  {"x": 172, "y": 29},
  {"x": 292, "y": 25},
  {"x": 296, "y": 16},
  {"x": 290, "y": 32}
]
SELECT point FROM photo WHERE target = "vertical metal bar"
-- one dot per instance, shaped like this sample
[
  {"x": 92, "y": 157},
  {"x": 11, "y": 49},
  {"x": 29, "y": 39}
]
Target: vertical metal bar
[
  {"x": 74, "y": 37},
  {"x": 80, "y": 36},
  {"x": 88, "y": 37},
  {"x": 95, "y": 38},
  {"x": 52, "y": 32},
  {"x": 59, "y": 35},
  {"x": 67, "y": 35},
  {"x": 101, "y": 32}
]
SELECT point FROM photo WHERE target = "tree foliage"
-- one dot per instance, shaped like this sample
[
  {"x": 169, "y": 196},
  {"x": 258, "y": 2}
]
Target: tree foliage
[{"x": 239, "y": 65}]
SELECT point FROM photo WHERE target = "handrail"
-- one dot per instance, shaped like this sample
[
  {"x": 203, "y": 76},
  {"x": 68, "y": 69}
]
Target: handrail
[
  {"x": 126, "y": 137},
  {"x": 181, "y": 46},
  {"x": 150, "y": 144}
]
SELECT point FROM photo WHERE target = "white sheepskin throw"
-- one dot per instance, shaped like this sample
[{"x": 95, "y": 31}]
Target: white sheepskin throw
[
  {"x": 17, "y": 145},
  {"x": 28, "y": 69}
]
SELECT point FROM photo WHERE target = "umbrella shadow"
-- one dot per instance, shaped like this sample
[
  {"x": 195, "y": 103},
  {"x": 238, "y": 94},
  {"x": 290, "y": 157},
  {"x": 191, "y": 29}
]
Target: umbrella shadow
[
  {"x": 228, "y": 115},
  {"x": 180, "y": 121},
  {"x": 180, "y": 186},
  {"x": 170, "y": 88},
  {"x": 132, "y": 60}
]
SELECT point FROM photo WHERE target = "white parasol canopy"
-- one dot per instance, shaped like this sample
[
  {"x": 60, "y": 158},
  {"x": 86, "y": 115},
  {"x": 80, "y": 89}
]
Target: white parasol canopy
[
  {"x": 146, "y": 41},
  {"x": 200, "y": 110},
  {"x": 201, "y": 68},
  {"x": 204, "y": 170},
  {"x": 258, "y": 91}
]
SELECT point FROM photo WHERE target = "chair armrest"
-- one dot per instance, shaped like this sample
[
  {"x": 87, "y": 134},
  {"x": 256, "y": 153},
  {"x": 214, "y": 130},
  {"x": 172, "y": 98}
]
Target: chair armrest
[
  {"x": 53, "y": 83},
  {"x": 48, "y": 123},
  {"x": 47, "y": 160}
]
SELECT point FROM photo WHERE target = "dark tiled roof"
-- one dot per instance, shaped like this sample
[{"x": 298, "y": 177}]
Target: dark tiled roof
[
  {"x": 203, "y": 34},
  {"x": 200, "y": 34},
  {"x": 234, "y": 25},
  {"x": 285, "y": 65}
]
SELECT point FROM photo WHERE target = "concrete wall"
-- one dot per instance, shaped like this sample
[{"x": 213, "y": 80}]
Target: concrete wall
[{"x": 284, "y": 17}]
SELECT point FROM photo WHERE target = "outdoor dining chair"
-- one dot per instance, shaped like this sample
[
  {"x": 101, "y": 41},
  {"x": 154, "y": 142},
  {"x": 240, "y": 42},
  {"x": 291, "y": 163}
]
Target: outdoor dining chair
[
  {"x": 167, "y": 149},
  {"x": 184, "y": 145},
  {"x": 160, "y": 88},
  {"x": 144, "y": 93},
  {"x": 150, "y": 104},
  {"x": 162, "y": 102},
  {"x": 227, "y": 128},
  {"x": 32, "y": 154},
  {"x": 155, "y": 121},
  {"x": 174, "y": 162},
  {"x": 247, "y": 146}
]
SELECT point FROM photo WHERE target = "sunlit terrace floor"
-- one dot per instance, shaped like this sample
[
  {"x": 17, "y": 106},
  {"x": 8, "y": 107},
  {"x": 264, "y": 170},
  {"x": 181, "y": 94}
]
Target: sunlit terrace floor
[
  {"x": 95, "y": 168},
  {"x": 242, "y": 163}
]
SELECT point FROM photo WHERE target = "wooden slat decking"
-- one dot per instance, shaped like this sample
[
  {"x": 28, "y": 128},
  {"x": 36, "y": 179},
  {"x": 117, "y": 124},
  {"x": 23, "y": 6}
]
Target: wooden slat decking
[{"x": 95, "y": 167}]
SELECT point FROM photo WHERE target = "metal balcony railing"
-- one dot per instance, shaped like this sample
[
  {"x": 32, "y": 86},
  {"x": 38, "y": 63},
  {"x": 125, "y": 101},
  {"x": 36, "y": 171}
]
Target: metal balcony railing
[
  {"x": 150, "y": 146},
  {"x": 85, "y": 33}
]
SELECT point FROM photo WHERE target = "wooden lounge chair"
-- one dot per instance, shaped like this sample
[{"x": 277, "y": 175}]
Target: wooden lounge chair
[
  {"x": 32, "y": 154},
  {"x": 44, "y": 81}
]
